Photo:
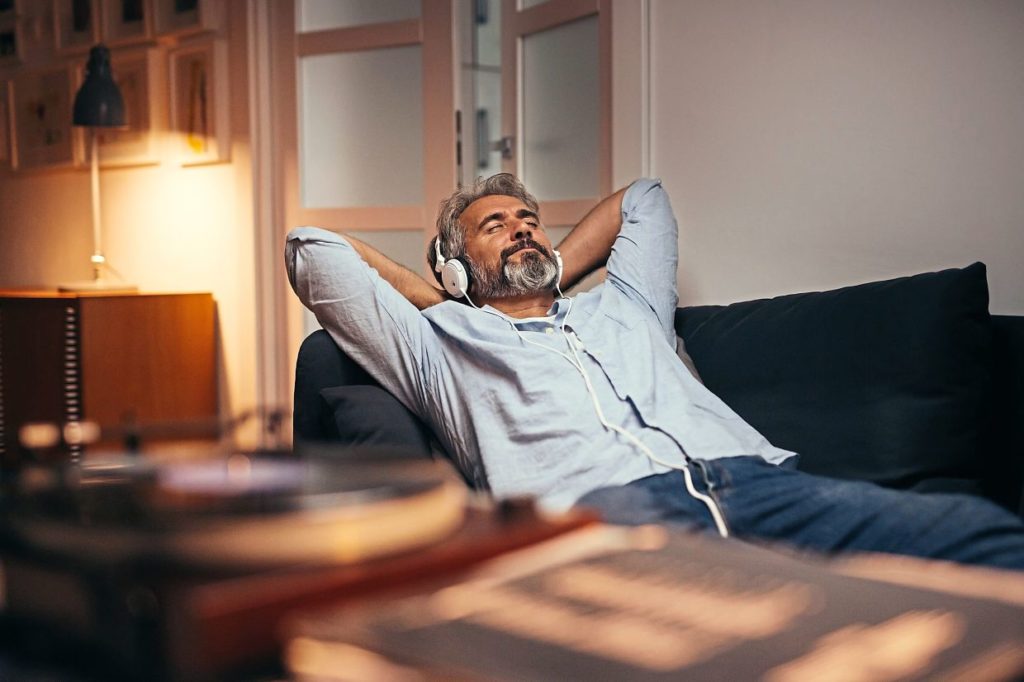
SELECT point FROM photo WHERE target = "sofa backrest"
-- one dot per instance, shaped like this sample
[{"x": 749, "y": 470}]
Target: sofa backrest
[
  {"x": 908, "y": 383},
  {"x": 898, "y": 382}
]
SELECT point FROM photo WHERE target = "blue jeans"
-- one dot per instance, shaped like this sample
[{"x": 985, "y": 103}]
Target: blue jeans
[{"x": 761, "y": 501}]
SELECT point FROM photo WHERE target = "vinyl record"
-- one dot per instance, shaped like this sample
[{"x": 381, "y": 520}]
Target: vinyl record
[{"x": 238, "y": 510}]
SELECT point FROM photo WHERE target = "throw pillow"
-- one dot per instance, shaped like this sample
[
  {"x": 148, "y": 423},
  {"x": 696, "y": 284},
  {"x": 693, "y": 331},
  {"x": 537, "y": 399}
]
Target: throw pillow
[
  {"x": 883, "y": 382},
  {"x": 370, "y": 416}
]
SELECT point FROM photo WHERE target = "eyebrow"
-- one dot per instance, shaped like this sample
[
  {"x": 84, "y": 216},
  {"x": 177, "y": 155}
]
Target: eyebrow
[{"x": 498, "y": 215}]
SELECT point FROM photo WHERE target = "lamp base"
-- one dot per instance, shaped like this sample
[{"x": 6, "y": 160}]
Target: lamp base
[{"x": 103, "y": 285}]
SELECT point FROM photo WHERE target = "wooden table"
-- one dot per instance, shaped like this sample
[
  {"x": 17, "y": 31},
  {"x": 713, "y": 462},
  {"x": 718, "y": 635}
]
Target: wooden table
[{"x": 106, "y": 357}]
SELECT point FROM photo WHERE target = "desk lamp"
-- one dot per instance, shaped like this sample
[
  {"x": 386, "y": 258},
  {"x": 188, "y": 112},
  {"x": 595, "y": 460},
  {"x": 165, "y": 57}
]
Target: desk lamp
[{"x": 98, "y": 104}]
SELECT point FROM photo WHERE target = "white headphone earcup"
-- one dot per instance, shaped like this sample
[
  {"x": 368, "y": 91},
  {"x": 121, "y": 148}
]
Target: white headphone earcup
[{"x": 455, "y": 277}]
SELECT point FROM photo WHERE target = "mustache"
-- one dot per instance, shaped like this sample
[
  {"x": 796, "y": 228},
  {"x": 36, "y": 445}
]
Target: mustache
[{"x": 523, "y": 244}]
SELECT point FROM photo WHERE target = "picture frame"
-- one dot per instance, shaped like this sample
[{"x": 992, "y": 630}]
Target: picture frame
[
  {"x": 35, "y": 19},
  {"x": 40, "y": 112},
  {"x": 5, "y": 126},
  {"x": 76, "y": 25},
  {"x": 185, "y": 17},
  {"x": 125, "y": 22},
  {"x": 11, "y": 44},
  {"x": 137, "y": 73},
  {"x": 199, "y": 120}
]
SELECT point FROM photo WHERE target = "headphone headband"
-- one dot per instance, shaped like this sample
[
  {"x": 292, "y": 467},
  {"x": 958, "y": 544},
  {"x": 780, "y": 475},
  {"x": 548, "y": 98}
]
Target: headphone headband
[{"x": 439, "y": 259}]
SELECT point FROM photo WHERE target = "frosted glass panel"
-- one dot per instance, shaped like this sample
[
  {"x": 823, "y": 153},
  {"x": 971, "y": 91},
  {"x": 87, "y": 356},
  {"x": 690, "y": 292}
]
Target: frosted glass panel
[
  {"x": 487, "y": 34},
  {"x": 405, "y": 247},
  {"x": 487, "y": 122},
  {"x": 560, "y": 105},
  {"x": 317, "y": 15},
  {"x": 362, "y": 128}
]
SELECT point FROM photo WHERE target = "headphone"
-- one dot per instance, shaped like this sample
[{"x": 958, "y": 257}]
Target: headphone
[{"x": 455, "y": 275}]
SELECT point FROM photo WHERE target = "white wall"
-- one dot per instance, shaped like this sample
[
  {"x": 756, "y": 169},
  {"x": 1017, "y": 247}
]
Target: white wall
[{"x": 809, "y": 144}]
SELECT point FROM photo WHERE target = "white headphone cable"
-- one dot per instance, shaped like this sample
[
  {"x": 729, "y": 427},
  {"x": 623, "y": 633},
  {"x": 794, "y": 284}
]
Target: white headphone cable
[{"x": 709, "y": 502}]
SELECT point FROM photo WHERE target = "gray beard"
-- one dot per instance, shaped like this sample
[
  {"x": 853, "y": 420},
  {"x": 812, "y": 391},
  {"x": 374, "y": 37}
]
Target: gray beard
[{"x": 535, "y": 272}]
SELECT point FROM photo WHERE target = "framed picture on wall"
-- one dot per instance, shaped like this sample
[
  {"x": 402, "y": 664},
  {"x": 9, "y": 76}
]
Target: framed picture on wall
[
  {"x": 40, "y": 111},
  {"x": 199, "y": 101},
  {"x": 36, "y": 20},
  {"x": 10, "y": 42},
  {"x": 76, "y": 25},
  {"x": 180, "y": 17},
  {"x": 125, "y": 21}
]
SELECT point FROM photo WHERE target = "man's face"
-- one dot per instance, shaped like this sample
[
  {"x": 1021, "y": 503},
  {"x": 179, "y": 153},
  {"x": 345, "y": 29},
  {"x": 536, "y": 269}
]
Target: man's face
[{"x": 509, "y": 251}]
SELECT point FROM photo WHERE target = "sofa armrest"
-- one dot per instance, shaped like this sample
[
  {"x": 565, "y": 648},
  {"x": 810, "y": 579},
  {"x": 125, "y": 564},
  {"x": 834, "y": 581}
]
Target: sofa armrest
[
  {"x": 1006, "y": 424},
  {"x": 320, "y": 364},
  {"x": 337, "y": 402}
]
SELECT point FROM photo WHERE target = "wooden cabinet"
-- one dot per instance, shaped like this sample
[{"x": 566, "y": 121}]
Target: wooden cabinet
[{"x": 104, "y": 357}]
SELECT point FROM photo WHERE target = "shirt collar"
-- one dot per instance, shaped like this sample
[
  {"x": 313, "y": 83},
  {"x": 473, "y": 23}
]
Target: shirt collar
[{"x": 555, "y": 315}]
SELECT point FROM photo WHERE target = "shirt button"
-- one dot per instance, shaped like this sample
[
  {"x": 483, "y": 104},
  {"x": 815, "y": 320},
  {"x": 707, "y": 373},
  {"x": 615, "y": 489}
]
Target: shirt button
[{"x": 549, "y": 330}]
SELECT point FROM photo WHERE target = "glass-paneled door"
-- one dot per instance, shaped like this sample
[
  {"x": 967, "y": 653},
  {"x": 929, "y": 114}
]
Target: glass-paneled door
[
  {"x": 556, "y": 106},
  {"x": 535, "y": 96},
  {"x": 369, "y": 139}
]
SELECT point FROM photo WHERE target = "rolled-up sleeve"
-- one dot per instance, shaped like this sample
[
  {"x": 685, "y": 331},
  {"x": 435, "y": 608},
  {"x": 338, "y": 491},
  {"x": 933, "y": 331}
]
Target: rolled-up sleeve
[
  {"x": 645, "y": 254},
  {"x": 368, "y": 319}
]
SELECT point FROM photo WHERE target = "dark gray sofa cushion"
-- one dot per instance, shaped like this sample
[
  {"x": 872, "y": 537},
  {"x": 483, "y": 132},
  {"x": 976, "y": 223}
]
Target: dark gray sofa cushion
[
  {"x": 370, "y": 416},
  {"x": 885, "y": 382}
]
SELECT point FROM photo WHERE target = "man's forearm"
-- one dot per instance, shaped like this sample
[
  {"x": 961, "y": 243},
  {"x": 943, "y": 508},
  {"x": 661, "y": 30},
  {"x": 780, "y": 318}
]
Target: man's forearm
[
  {"x": 588, "y": 246},
  {"x": 416, "y": 289}
]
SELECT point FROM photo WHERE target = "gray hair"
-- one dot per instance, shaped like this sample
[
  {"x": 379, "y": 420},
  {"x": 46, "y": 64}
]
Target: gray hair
[{"x": 451, "y": 231}]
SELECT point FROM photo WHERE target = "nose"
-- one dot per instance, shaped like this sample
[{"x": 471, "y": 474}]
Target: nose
[{"x": 521, "y": 232}]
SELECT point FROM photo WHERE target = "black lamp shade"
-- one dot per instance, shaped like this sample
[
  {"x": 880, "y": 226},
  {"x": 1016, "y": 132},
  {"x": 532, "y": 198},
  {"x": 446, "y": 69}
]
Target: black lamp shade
[{"x": 99, "y": 101}]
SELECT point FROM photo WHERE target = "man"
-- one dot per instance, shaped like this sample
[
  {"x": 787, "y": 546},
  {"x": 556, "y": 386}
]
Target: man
[{"x": 583, "y": 399}]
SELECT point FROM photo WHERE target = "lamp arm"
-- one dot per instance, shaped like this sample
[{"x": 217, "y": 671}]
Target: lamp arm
[{"x": 97, "y": 244}]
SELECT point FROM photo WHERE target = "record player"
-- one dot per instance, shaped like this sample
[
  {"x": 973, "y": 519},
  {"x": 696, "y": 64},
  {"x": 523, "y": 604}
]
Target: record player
[{"x": 181, "y": 570}]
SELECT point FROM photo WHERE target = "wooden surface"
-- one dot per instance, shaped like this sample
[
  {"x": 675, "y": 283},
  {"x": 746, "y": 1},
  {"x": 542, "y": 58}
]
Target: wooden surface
[
  {"x": 62, "y": 295},
  {"x": 210, "y": 624},
  {"x": 31, "y": 368},
  {"x": 147, "y": 358}
]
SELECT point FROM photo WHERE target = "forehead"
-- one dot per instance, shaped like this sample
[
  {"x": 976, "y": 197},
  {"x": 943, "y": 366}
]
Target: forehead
[{"x": 485, "y": 206}]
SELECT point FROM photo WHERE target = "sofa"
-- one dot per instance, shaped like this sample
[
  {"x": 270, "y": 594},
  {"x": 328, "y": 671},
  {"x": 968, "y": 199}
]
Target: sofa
[{"x": 908, "y": 382}]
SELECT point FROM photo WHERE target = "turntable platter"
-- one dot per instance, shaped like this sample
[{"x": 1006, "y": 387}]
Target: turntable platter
[{"x": 237, "y": 511}]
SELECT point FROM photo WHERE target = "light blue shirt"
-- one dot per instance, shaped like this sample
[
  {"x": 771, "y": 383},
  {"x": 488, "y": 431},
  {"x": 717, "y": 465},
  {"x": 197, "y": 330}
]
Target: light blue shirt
[{"x": 516, "y": 418}]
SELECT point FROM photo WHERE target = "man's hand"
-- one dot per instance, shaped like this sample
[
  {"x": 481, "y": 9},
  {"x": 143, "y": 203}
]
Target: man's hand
[
  {"x": 589, "y": 245},
  {"x": 415, "y": 288}
]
